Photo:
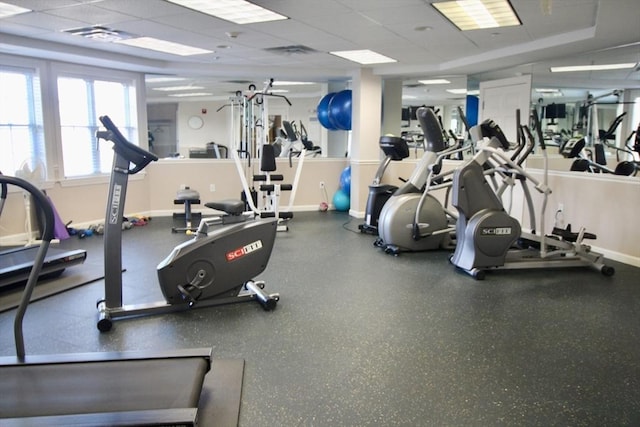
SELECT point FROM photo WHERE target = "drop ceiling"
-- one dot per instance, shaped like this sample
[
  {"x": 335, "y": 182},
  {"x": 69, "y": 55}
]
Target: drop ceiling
[{"x": 425, "y": 45}]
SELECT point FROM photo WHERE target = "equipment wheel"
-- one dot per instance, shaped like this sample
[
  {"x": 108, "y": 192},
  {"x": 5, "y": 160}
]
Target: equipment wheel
[
  {"x": 608, "y": 271},
  {"x": 104, "y": 325},
  {"x": 478, "y": 274},
  {"x": 270, "y": 304}
]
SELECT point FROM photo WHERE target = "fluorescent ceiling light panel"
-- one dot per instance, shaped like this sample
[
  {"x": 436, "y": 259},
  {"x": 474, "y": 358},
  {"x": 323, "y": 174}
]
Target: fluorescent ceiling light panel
[
  {"x": 434, "y": 82},
  {"x": 237, "y": 11},
  {"x": 11, "y": 10},
  {"x": 286, "y": 83},
  {"x": 181, "y": 95},
  {"x": 602, "y": 67},
  {"x": 478, "y": 14},
  {"x": 164, "y": 46},
  {"x": 177, "y": 88},
  {"x": 457, "y": 91},
  {"x": 364, "y": 57},
  {"x": 163, "y": 79}
]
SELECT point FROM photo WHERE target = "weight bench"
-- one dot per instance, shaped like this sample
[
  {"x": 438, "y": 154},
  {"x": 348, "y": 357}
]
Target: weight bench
[{"x": 186, "y": 197}]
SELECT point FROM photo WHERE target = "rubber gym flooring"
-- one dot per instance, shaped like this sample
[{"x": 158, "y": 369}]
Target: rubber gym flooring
[{"x": 360, "y": 338}]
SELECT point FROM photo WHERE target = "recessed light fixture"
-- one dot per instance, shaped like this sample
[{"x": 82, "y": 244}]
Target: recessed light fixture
[
  {"x": 162, "y": 79},
  {"x": 236, "y": 11},
  {"x": 182, "y": 95},
  {"x": 177, "y": 88},
  {"x": 364, "y": 57},
  {"x": 478, "y": 14},
  {"x": 434, "y": 82},
  {"x": 546, "y": 90},
  {"x": 11, "y": 10},
  {"x": 457, "y": 91},
  {"x": 602, "y": 67},
  {"x": 164, "y": 46},
  {"x": 288, "y": 83}
]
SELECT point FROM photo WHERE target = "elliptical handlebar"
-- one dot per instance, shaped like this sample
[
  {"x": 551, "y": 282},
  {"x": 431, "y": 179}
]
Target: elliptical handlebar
[
  {"x": 134, "y": 154},
  {"x": 538, "y": 129},
  {"x": 432, "y": 130}
]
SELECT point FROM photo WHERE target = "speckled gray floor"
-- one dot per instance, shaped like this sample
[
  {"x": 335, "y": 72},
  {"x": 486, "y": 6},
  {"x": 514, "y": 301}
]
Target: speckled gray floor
[{"x": 361, "y": 338}]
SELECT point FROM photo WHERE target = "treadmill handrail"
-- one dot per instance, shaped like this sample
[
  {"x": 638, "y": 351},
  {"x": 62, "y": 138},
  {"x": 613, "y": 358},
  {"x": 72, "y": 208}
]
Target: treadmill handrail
[
  {"x": 45, "y": 207},
  {"x": 136, "y": 155}
]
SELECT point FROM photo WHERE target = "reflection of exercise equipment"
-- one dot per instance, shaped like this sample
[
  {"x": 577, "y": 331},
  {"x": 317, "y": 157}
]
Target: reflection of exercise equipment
[
  {"x": 585, "y": 163},
  {"x": 124, "y": 388},
  {"x": 395, "y": 149},
  {"x": 334, "y": 110},
  {"x": 485, "y": 231},
  {"x": 290, "y": 147},
  {"x": 409, "y": 220},
  {"x": 213, "y": 268}
]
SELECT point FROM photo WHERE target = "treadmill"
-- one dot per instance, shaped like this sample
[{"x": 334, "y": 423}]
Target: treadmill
[
  {"x": 16, "y": 263},
  {"x": 97, "y": 389}
]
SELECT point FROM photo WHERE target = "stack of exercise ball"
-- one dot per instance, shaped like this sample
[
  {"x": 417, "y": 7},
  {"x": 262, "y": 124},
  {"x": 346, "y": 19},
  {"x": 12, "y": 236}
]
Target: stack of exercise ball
[
  {"x": 334, "y": 110},
  {"x": 342, "y": 197}
]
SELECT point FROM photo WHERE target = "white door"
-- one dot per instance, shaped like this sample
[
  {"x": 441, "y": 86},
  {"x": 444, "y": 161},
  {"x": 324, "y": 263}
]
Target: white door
[{"x": 499, "y": 100}]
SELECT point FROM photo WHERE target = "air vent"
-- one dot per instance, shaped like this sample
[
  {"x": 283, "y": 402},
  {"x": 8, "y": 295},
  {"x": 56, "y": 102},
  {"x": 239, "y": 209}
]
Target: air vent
[
  {"x": 98, "y": 32},
  {"x": 412, "y": 85},
  {"x": 291, "y": 50}
]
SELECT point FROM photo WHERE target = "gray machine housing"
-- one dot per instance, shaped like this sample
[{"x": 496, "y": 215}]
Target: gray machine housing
[
  {"x": 217, "y": 263},
  {"x": 397, "y": 217},
  {"x": 488, "y": 238}
]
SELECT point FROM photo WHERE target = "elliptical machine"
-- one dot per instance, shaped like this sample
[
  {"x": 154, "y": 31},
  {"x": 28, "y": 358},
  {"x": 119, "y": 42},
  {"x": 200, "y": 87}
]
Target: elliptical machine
[
  {"x": 411, "y": 220},
  {"x": 489, "y": 238},
  {"x": 214, "y": 268},
  {"x": 395, "y": 149}
]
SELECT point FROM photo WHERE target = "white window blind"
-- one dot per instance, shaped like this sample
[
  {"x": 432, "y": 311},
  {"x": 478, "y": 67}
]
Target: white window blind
[
  {"x": 81, "y": 101},
  {"x": 21, "y": 124}
]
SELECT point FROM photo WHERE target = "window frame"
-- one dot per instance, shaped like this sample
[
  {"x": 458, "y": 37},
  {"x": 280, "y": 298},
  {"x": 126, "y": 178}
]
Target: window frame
[
  {"x": 137, "y": 106},
  {"x": 48, "y": 72}
]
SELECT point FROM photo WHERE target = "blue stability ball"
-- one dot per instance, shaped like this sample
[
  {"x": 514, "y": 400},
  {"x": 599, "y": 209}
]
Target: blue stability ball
[
  {"x": 323, "y": 111},
  {"x": 345, "y": 180},
  {"x": 340, "y": 110},
  {"x": 341, "y": 201}
]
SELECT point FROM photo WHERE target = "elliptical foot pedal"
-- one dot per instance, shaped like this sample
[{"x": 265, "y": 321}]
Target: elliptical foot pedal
[{"x": 569, "y": 236}]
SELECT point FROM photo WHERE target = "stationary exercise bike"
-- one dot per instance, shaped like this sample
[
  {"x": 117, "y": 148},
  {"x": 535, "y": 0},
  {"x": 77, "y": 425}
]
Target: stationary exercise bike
[
  {"x": 395, "y": 149},
  {"x": 214, "y": 268},
  {"x": 489, "y": 238}
]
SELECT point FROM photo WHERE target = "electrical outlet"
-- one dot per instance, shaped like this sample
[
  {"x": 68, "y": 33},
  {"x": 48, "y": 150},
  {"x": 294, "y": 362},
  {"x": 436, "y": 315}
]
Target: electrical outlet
[
  {"x": 212, "y": 187},
  {"x": 321, "y": 185},
  {"x": 183, "y": 186}
]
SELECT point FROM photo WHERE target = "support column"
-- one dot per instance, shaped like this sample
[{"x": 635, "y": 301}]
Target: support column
[
  {"x": 366, "y": 112},
  {"x": 392, "y": 107}
]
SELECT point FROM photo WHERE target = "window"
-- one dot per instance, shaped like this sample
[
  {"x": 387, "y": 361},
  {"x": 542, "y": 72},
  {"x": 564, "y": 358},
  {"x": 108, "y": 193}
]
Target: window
[
  {"x": 21, "y": 124},
  {"x": 81, "y": 101}
]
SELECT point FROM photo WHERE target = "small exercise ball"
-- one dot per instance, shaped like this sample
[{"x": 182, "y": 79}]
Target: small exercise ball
[
  {"x": 340, "y": 110},
  {"x": 323, "y": 111},
  {"x": 345, "y": 180},
  {"x": 341, "y": 201}
]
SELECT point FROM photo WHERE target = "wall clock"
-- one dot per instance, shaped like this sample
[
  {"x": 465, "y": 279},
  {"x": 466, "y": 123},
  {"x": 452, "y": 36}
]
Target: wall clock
[{"x": 195, "y": 122}]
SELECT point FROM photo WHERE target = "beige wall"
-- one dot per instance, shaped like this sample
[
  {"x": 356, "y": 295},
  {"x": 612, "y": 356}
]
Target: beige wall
[
  {"x": 153, "y": 192},
  {"x": 605, "y": 205}
]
